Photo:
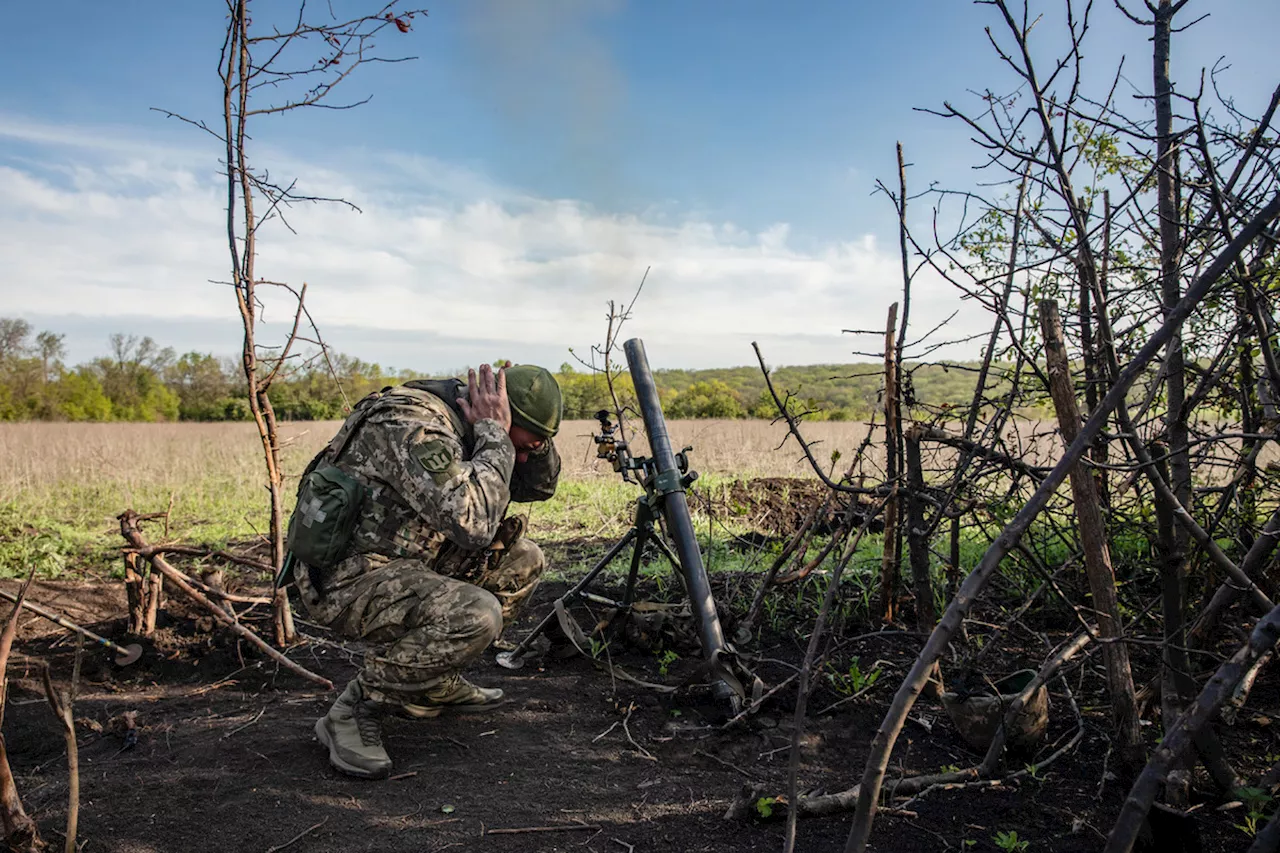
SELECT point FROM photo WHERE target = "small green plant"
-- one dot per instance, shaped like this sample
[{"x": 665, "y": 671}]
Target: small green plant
[
  {"x": 771, "y": 612},
  {"x": 1033, "y": 770},
  {"x": 765, "y": 806},
  {"x": 1255, "y": 800},
  {"x": 665, "y": 660},
  {"x": 1009, "y": 842},
  {"x": 967, "y": 842},
  {"x": 852, "y": 681},
  {"x": 662, "y": 580},
  {"x": 598, "y": 647},
  {"x": 950, "y": 768}
]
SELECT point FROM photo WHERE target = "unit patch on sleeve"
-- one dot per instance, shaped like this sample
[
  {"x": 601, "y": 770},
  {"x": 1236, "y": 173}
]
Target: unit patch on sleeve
[{"x": 436, "y": 458}]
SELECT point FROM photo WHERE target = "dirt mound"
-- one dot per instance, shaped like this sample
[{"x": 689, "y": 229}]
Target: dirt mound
[{"x": 778, "y": 506}]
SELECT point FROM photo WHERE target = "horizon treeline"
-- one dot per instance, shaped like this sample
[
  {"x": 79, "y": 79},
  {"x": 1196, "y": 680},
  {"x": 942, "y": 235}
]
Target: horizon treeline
[{"x": 137, "y": 380}]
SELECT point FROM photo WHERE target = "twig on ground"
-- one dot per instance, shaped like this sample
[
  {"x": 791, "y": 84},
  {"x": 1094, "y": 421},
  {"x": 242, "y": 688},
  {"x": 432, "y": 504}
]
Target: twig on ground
[
  {"x": 527, "y": 829},
  {"x": 298, "y": 837},
  {"x": 246, "y": 725},
  {"x": 718, "y": 760},
  {"x": 644, "y": 753}
]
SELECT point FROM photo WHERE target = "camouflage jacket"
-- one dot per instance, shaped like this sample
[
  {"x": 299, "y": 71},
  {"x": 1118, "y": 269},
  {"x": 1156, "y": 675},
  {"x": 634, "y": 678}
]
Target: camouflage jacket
[{"x": 432, "y": 478}]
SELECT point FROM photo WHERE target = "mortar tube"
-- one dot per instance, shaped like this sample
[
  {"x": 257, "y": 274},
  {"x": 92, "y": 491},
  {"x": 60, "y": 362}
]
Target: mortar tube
[{"x": 675, "y": 508}]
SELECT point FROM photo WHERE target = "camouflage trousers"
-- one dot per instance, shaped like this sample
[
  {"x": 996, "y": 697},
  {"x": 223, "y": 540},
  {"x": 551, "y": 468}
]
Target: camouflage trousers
[{"x": 426, "y": 623}]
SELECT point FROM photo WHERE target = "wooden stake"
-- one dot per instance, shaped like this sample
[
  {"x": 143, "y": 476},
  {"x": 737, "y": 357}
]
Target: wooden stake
[
  {"x": 892, "y": 426},
  {"x": 1093, "y": 537},
  {"x": 129, "y": 529}
]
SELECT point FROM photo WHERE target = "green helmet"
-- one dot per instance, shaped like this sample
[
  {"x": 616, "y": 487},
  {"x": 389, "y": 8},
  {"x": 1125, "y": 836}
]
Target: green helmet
[{"x": 535, "y": 399}]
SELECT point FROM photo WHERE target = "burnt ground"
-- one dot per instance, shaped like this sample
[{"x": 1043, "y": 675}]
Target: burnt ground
[{"x": 225, "y": 757}]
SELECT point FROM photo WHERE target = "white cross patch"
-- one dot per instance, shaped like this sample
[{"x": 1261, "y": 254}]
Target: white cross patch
[{"x": 311, "y": 513}]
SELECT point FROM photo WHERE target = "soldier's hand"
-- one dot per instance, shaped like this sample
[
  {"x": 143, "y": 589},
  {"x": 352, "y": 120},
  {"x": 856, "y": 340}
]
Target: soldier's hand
[{"x": 487, "y": 397}]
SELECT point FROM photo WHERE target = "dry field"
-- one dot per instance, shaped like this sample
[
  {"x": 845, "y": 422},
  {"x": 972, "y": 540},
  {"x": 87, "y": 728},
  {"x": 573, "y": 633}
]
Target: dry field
[
  {"x": 36, "y": 454},
  {"x": 132, "y": 459}
]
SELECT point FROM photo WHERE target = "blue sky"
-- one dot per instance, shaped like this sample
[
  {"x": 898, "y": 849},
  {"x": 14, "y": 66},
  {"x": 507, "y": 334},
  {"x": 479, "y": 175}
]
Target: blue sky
[{"x": 525, "y": 169}]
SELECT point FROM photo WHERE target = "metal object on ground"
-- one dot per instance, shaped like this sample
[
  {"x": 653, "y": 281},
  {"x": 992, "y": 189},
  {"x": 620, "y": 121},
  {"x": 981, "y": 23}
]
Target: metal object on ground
[
  {"x": 664, "y": 477},
  {"x": 977, "y": 717},
  {"x": 125, "y": 655}
]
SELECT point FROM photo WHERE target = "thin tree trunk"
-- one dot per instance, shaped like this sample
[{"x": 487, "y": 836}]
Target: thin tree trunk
[
  {"x": 1101, "y": 323},
  {"x": 236, "y": 87},
  {"x": 62, "y": 703},
  {"x": 20, "y": 831},
  {"x": 1174, "y": 539},
  {"x": 892, "y": 426},
  {"x": 918, "y": 535},
  {"x": 1093, "y": 537}
]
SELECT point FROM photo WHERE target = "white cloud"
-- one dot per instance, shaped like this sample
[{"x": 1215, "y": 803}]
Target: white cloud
[{"x": 91, "y": 224}]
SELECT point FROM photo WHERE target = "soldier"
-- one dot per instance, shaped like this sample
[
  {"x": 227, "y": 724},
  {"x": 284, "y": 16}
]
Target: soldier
[{"x": 399, "y": 539}]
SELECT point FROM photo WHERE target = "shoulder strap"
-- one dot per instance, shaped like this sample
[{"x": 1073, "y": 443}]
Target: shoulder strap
[
  {"x": 447, "y": 390},
  {"x": 331, "y": 451}
]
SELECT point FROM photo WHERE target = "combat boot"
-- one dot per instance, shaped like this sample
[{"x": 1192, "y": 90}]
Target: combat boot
[
  {"x": 454, "y": 695},
  {"x": 352, "y": 731}
]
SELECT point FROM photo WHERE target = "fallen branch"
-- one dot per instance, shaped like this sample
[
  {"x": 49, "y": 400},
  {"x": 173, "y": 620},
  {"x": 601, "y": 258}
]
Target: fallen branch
[
  {"x": 150, "y": 551},
  {"x": 129, "y": 529},
  {"x": 218, "y": 593}
]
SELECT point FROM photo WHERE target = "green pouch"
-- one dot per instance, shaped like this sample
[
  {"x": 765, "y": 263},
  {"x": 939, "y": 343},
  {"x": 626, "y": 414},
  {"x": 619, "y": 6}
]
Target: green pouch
[{"x": 325, "y": 516}]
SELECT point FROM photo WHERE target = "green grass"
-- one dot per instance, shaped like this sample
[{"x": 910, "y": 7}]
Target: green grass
[{"x": 68, "y": 527}]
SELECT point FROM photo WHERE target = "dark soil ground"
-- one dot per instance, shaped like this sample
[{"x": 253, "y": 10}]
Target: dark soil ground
[{"x": 226, "y": 760}]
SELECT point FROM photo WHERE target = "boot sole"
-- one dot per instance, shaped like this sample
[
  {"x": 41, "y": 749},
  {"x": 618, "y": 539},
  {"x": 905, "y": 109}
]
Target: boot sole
[
  {"x": 423, "y": 712},
  {"x": 322, "y": 734}
]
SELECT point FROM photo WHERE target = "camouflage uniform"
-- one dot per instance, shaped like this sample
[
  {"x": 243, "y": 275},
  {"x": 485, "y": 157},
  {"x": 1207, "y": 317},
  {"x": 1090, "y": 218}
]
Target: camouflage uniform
[{"x": 417, "y": 579}]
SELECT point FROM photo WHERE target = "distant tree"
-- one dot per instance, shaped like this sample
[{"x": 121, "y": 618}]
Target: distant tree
[
  {"x": 51, "y": 352},
  {"x": 15, "y": 334},
  {"x": 78, "y": 396},
  {"x": 202, "y": 385},
  {"x": 709, "y": 399},
  {"x": 132, "y": 380}
]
